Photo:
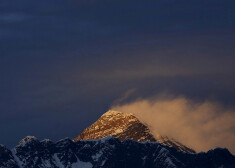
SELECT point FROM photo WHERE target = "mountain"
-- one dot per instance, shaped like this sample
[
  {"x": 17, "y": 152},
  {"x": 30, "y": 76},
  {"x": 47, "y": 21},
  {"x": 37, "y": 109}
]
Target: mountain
[
  {"x": 124, "y": 125},
  {"x": 108, "y": 152},
  {"x": 115, "y": 140}
]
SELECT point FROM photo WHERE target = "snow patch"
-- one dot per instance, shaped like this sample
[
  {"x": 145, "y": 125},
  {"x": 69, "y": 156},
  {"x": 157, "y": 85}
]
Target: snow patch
[
  {"x": 81, "y": 164},
  {"x": 46, "y": 164},
  {"x": 18, "y": 161},
  {"x": 26, "y": 140},
  {"x": 115, "y": 113},
  {"x": 97, "y": 156},
  {"x": 169, "y": 162},
  {"x": 57, "y": 161},
  {"x": 103, "y": 162}
]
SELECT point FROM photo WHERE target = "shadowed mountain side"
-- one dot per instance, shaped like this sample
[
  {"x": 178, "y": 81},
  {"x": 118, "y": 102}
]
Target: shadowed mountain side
[{"x": 107, "y": 153}]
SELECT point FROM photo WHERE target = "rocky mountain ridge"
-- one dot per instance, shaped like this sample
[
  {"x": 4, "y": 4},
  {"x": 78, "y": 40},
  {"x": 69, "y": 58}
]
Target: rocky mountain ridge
[
  {"x": 108, "y": 152},
  {"x": 125, "y": 125}
]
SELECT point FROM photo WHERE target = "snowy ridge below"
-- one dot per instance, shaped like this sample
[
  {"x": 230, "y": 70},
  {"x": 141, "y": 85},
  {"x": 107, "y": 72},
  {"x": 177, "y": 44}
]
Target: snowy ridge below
[{"x": 108, "y": 152}]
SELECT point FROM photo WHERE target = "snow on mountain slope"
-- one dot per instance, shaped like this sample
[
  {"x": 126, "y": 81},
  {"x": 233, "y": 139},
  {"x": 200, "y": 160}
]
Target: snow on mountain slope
[
  {"x": 108, "y": 152},
  {"x": 122, "y": 125}
]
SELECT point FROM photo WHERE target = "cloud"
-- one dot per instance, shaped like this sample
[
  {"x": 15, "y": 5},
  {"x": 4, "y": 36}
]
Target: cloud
[
  {"x": 125, "y": 96},
  {"x": 199, "y": 125}
]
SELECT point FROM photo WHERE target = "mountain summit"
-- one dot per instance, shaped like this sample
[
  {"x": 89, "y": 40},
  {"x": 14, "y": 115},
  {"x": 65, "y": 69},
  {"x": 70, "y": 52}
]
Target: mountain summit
[
  {"x": 111, "y": 152},
  {"x": 126, "y": 126}
]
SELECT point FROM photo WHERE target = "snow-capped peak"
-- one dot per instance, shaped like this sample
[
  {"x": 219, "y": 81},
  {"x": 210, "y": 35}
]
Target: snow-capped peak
[
  {"x": 26, "y": 140},
  {"x": 2, "y": 146},
  {"x": 126, "y": 125},
  {"x": 115, "y": 113}
]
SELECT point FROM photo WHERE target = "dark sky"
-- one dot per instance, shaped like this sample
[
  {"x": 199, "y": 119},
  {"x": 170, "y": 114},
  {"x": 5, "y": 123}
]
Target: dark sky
[{"x": 64, "y": 62}]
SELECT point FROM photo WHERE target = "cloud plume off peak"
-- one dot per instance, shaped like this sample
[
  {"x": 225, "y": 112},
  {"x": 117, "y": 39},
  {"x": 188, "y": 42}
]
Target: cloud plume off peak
[{"x": 199, "y": 125}]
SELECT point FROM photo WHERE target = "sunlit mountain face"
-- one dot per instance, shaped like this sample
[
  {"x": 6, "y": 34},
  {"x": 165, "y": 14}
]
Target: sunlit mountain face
[{"x": 126, "y": 126}]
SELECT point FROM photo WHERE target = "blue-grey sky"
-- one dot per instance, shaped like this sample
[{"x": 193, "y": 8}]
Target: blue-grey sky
[{"x": 63, "y": 63}]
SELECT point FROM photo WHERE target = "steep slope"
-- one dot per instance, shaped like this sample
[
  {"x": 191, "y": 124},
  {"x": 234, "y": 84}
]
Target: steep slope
[
  {"x": 6, "y": 158},
  {"x": 107, "y": 153},
  {"x": 122, "y": 126}
]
